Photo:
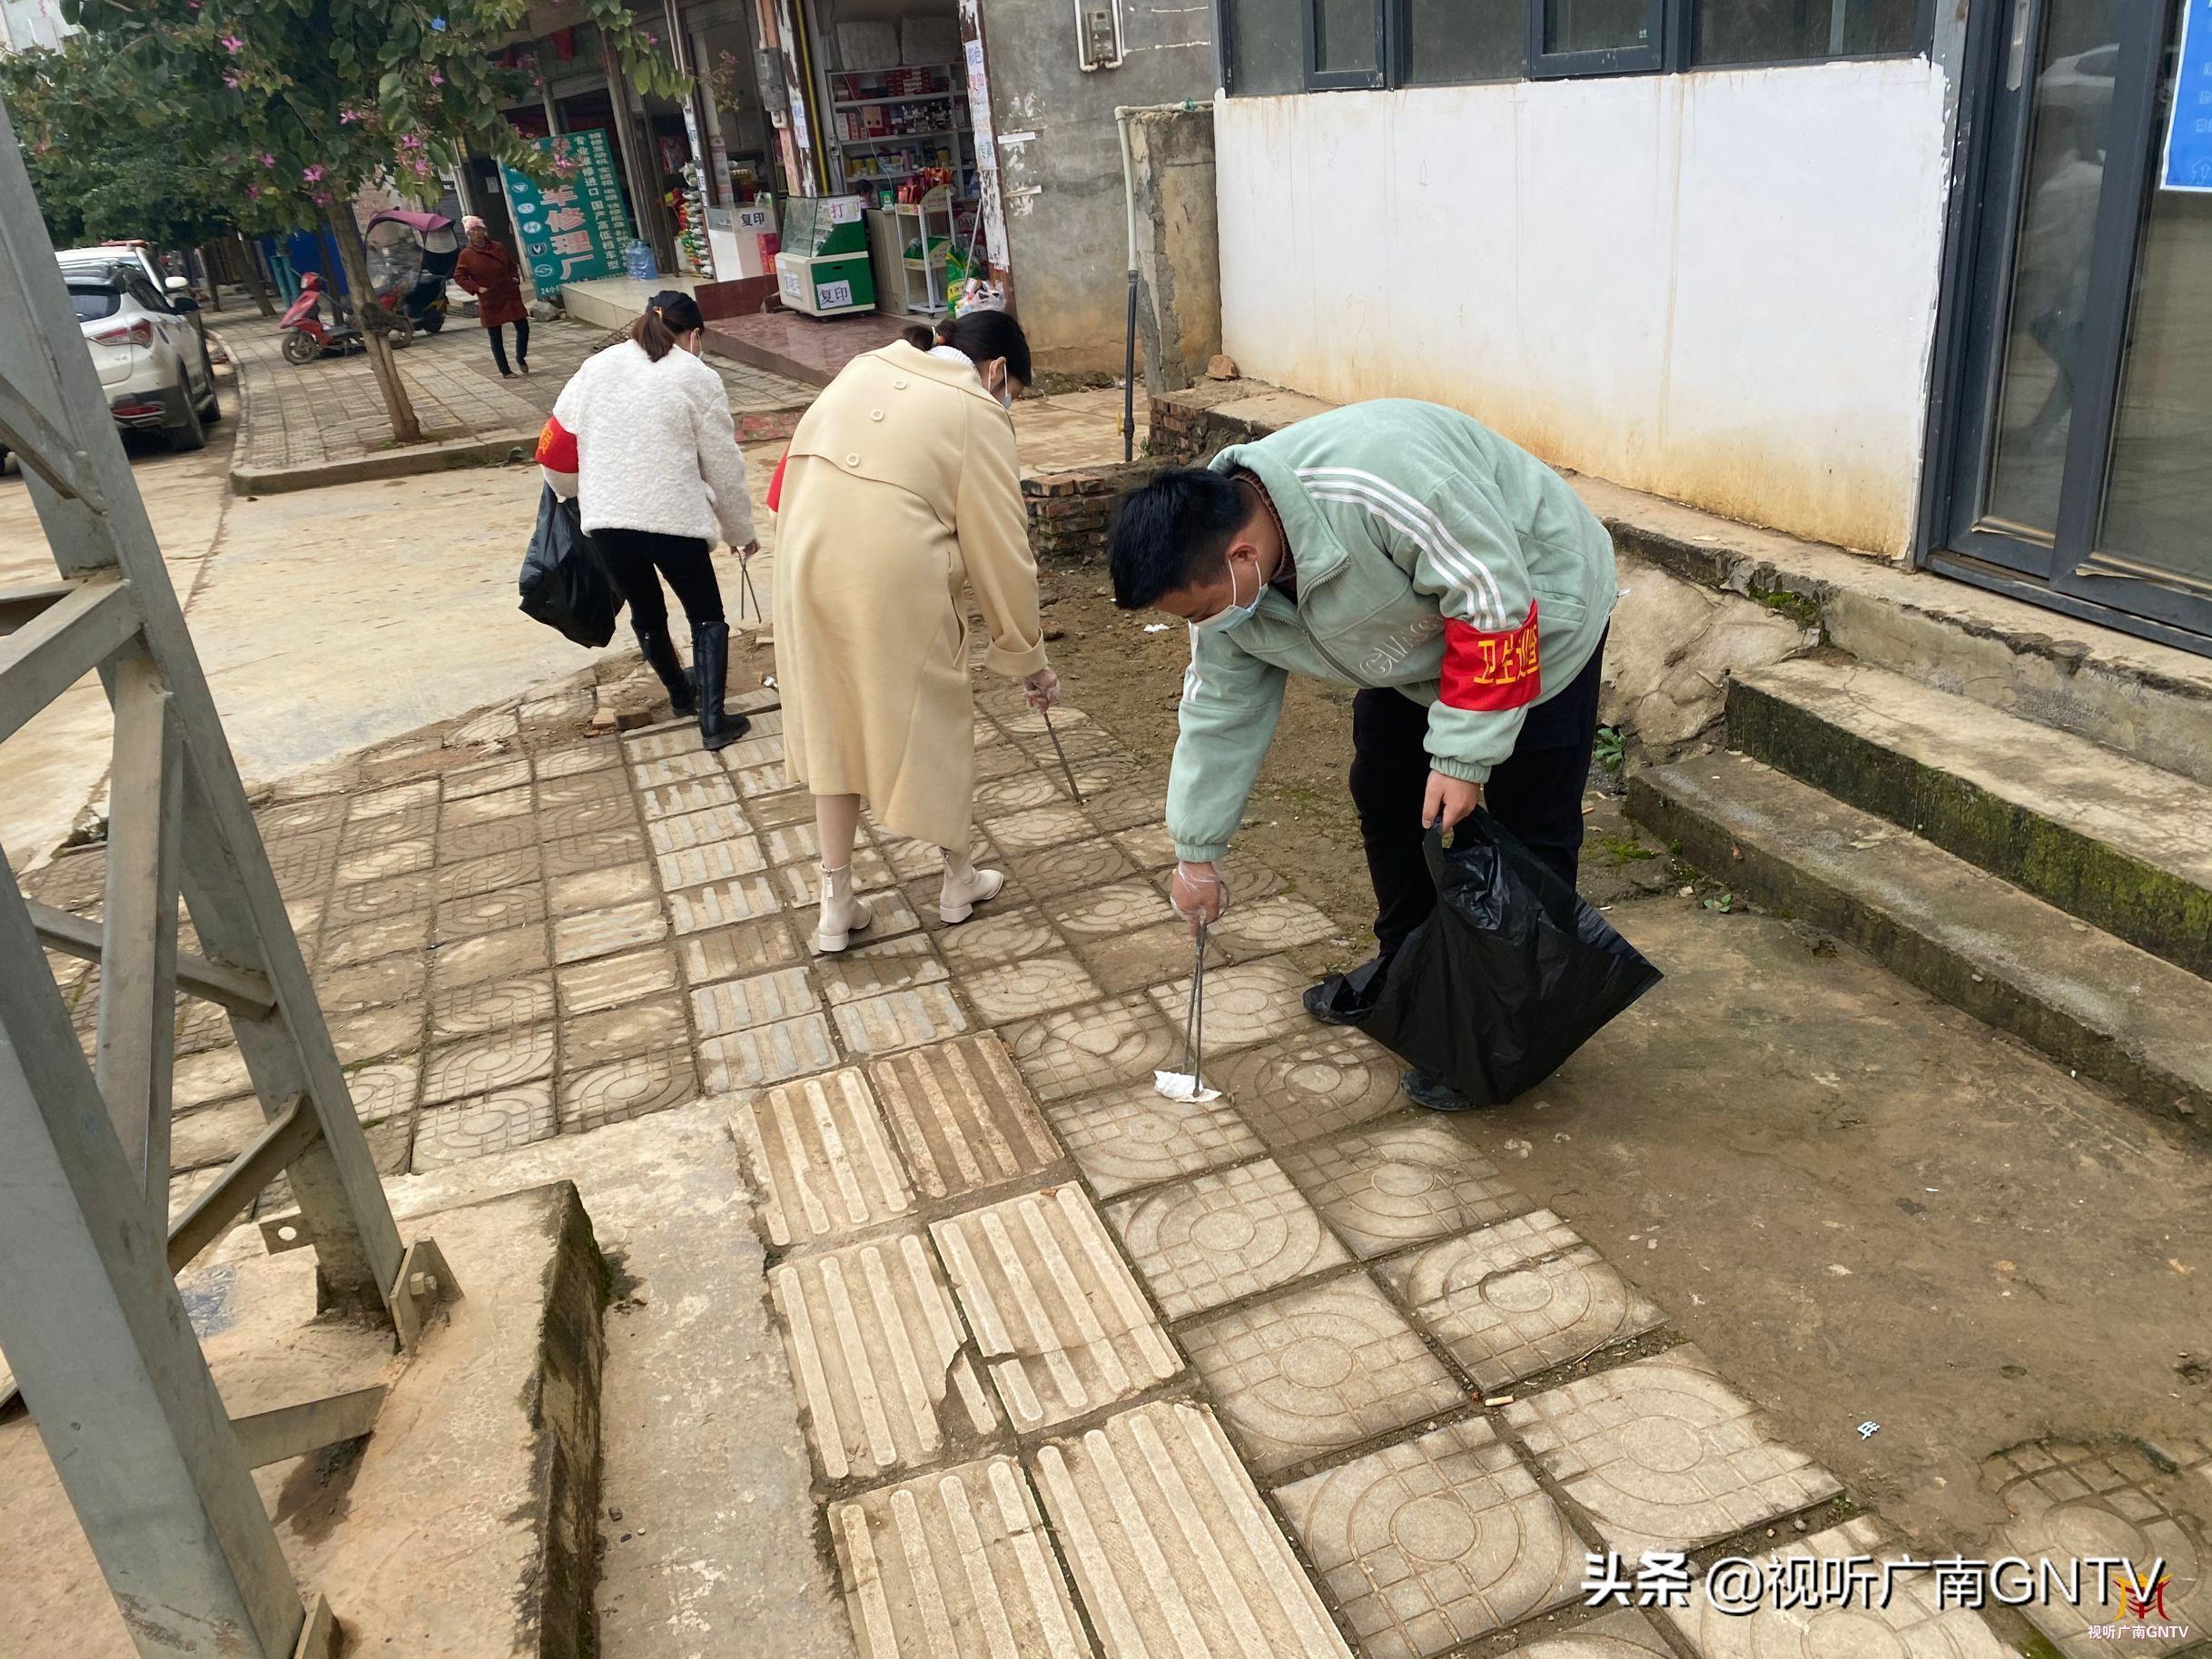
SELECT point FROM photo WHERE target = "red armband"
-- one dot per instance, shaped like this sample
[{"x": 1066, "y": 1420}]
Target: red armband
[
  {"x": 557, "y": 455},
  {"x": 775, "y": 483},
  {"x": 1489, "y": 672}
]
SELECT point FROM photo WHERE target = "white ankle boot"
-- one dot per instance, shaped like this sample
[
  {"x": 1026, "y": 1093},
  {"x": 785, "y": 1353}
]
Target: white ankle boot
[
  {"x": 842, "y": 916},
  {"x": 964, "y": 888}
]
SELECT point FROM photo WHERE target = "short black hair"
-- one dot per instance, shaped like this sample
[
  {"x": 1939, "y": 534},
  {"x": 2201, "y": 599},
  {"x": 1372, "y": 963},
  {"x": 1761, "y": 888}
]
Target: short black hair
[{"x": 1170, "y": 531}]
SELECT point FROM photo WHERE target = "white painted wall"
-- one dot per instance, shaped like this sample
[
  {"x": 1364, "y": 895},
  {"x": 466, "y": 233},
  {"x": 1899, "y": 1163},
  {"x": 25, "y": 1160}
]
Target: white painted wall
[{"x": 1719, "y": 287}]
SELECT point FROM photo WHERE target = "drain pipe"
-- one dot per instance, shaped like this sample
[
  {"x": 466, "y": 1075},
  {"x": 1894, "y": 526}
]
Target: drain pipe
[{"x": 1121, "y": 114}]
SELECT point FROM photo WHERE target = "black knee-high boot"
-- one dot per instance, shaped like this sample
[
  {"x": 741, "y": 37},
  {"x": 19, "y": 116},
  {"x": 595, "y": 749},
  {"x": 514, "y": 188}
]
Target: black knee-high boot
[
  {"x": 710, "y": 653},
  {"x": 660, "y": 652}
]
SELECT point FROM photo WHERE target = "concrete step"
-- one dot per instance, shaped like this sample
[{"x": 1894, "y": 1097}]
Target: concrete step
[
  {"x": 2094, "y": 1004},
  {"x": 2116, "y": 842}
]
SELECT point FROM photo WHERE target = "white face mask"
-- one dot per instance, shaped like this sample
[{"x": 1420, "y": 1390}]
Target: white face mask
[
  {"x": 1003, "y": 390},
  {"x": 1232, "y": 614}
]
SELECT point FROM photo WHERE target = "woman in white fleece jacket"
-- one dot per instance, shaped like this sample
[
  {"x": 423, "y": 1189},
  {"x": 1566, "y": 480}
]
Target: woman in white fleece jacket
[{"x": 660, "y": 479}]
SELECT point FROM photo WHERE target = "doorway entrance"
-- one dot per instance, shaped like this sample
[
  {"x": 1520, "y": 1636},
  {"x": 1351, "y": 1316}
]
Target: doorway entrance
[{"x": 2074, "y": 462}]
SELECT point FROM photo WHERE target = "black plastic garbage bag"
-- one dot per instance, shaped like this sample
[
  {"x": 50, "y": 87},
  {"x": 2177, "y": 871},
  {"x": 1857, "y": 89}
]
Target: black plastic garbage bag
[
  {"x": 564, "y": 586},
  {"x": 1510, "y": 974}
]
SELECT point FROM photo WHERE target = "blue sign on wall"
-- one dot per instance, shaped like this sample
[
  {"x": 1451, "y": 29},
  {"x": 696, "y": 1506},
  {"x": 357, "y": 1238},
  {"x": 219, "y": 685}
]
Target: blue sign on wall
[{"x": 2189, "y": 126}]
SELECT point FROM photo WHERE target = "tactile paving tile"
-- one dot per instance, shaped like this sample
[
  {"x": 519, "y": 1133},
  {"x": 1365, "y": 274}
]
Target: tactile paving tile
[
  {"x": 654, "y": 1025},
  {"x": 483, "y": 1064},
  {"x": 1034, "y": 985},
  {"x": 1062, "y": 1326},
  {"x": 1616, "y": 1635},
  {"x": 496, "y": 1122},
  {"x": 1225, "y": 1234},
  {"x": 1245, "y": 1004},
  {"x": 1398, "y": 1183},
  {"x": 963, "y": 1116},
  {"x": 1435, "y": 1540},
  {"x": 953, "y": 1562},
  {"x": 740, "y": 1005},
  {"x": 993, "y": 937},
  {"x": 1130, "y": 1137},
  {"x": 2068, "y": 1501},
  {"x": 1310, "y": 1083},
  {"x": 898, "y": 1019},
  {"x": 1084, "y": 1049},
  {"x": 687, "y": 796},
  {"x": 1105, "y": 912},
  {"x": 716, "y": 861},
  {"x": 674, "y": 770},
  {"x": 1274, "y": 923},
  {"x": 1662, "y": 1455},
  {"x": 604, "y": 933},
  {"x": 1316, "y": 1371},
  {"x": 1172, "y": 1551},
  {"x": 710, "y": 827},
  {"x": 626, "y": 1089},
  {"x": 1519, "y": 1298},
  {"x": 609, "y": 981},
  {"x": 638, "y": 747},
  {"x": 802, "y": 882},
  {"x": 1912, "y": 1625},
  {"x": 747, "y": 898},
  {"x": 775, "y": 811},
  {"x": 737, "y": 950},
  {"x": 491, "y": 1005},
  {"x": 755, "y": 749},
  {"x": 889, "y": 913},
  {"x": 823, "y": 1159},
  {"x": 790, "y": 844},
  {"x": 755, "y": 782},
  {"x": 896, "y": 964},
  {"x": 884, "y": 1368},
  {"x": 767, "y": 1053},
  {"x": 1042, "y": 826}
]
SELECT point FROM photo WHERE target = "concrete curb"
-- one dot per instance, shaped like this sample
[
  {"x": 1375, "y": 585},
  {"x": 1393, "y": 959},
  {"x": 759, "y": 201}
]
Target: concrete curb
[{"x": 516, "y": 444}]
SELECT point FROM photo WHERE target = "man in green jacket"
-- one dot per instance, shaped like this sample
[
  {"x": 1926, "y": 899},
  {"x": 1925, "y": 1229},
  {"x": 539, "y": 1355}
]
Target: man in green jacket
[{"x": 1407, "y": 549}]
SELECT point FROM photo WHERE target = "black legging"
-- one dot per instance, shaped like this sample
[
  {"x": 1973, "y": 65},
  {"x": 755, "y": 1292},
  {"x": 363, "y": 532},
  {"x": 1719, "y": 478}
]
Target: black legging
[
  {"x": 637, "y": 560},
  {"x": 499, "y": 345},
  {"x": 1535, "y": 792}
]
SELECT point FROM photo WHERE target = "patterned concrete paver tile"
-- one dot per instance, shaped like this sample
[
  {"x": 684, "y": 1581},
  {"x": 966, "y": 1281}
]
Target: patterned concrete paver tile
[
  {"x": 370, "y": 1034},
  {"x": 1017, "y": 792},
  {"x": 824, "y": 1162},
  {"x": 609, "y": 981},
  {"x": 1617, "y": 1635},
  {"x": 699, "y": 829},
  {"x": 716, "y": 861},
  {"x": 1043, "y": 827},
  {"x": 963, "y": 1116},
  {"x": 627, "y": 1088},
  {"x": 594, "y": 850},
  {"x": 482, "y": 840},
  {"x": 1062, "y": 1326},
  {"x": 1246, "y": 1005},
  {"x": 491, "y": 1005},
  {"x": 1150, "y": 848},
  {"x": 1274, "y": 923},
  {"x": 496, "y": 1122},
  {"x": 767, "y": 1053},
  {"x": 1397, "y": 1183},
  {"x": 389, "y": 979},
  {"x": 473, "y": 916},
  {"x": 1130, "y": 1137},
  {"x": 384, "y": 1090},
  {"x": 899, "y": 1019},
  {"x": 882, "y": 1366},
  {"x": 573, "y": 791},
  {"x": 605, "y": 932},
  {"x": 687, "y": 796},
  {"x": 366, "y": 941},
  {"x": 483, "y": 1064},
  {"x": 738, "y": 951},
  {"x": 1172, "y": 1551},
  {"x": 2069, "y": 1502},
  {"x": 1078, "y": 868},
  {"x": 386, "y": 858},
  {"x": 1084, "y": 1049},
  {"x": 747, "y": 898},
  {"x": 1912, "y": 1625},
  {"x": 1310, "y": 1083},
  {"x": 1435, "y": 1541},
  {"x": 483, "y": 780},
  {"x": 1664, "y": 1456},
  {"x": 1104, "y": 913},
  {"x": 572, "y": 760},
  {"x": 1315, "y": 1370},
  {"x": 401, "y": 797},
  {"x": 389, "y": 895},
  {"x": 654, "y": 1025},
  {"x": 483, "y": 808},
  {"x": 954, "y": 1562},
  {"x": 871, "y": 969},
  {"x": 994, "y": 937},
  {"x": 1222, "y": 1235},
  {"x": 1127, "y": 962},
  {"x": 574, "y": 820},
  {"x": 1518, "y": 1297},
  {"x": 602, "y": 889},
  {"x": 509, "y": 954},
  {"x": 1034, "y": 985},
  {"x": 739, "y": 1004}
]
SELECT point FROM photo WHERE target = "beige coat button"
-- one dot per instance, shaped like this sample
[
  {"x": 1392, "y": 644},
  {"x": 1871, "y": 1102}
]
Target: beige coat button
[
  {"x": 875, "y": 414},
  {"x": 852, "y": 461},
  {"x": 898, "y": 385}
]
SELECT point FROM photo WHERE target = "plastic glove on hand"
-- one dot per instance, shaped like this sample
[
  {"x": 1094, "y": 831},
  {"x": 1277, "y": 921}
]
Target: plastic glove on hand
[{"x": 1199, "y": 893}]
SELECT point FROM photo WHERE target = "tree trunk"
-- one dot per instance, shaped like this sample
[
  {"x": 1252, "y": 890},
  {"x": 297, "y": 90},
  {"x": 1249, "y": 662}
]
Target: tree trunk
[
  {"x": 255, "y": 285},
  {"x": 213, "y": 279},
  {"x": 374, "y": 320}
]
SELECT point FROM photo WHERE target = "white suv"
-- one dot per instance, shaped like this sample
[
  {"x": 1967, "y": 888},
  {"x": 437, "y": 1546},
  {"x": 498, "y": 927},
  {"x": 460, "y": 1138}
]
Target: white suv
[{"x": 153, "y": 365}]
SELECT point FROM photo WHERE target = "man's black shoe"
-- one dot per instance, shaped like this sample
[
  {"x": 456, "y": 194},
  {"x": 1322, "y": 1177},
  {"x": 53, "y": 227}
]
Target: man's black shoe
[
  {"x": 1344, "y": 999},
  {"x": 1426, "y": 1089}
]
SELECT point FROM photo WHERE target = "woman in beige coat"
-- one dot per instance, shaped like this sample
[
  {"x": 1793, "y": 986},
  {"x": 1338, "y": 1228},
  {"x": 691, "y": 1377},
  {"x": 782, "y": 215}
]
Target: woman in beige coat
[{"x": 900, "y": 490}]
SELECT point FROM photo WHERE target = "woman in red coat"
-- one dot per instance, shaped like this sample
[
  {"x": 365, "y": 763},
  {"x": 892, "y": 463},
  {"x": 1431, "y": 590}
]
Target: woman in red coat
[{"x": 488, "y": 269}]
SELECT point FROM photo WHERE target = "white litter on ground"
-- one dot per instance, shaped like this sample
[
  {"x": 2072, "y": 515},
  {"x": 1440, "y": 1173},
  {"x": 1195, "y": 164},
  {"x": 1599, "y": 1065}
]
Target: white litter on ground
[{"x": 1183, "y": 1086}]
